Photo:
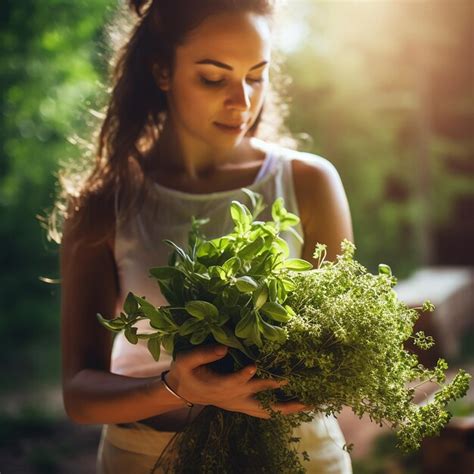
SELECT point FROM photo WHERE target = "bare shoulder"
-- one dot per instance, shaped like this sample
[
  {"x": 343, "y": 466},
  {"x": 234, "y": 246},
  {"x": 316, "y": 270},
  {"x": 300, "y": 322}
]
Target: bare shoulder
[
  {"x": 92, "y": 223},
  {"x": 322, "y": 201}
]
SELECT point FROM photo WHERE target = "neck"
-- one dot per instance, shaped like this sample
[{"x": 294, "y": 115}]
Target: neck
[{"x": 192, "y": 160}]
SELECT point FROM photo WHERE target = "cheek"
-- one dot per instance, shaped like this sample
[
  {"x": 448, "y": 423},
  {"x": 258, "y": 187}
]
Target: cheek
[
  {"x": 258, "y": 99},
  {"x": 195, "y": 102}
]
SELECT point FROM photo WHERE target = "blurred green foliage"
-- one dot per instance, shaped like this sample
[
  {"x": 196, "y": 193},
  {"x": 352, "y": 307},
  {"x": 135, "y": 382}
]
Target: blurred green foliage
[
  {"x": 50, "y": 68},
  {"x": 378, "y": 86}
]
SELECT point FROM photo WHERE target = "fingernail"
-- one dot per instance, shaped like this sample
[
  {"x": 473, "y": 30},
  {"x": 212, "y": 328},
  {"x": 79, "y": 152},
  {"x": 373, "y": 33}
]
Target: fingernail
[
  {"x": 252, "y": 371},
  {"x": 220, "y": 350}
]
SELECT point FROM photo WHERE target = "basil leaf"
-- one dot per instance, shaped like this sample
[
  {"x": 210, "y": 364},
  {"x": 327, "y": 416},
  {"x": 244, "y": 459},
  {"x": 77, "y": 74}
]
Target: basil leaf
[
  {"x": 289, "y": 220},
  {"x": 275, "y": 311},
  {"x": 154, "y": 346},
  {"x": 246, "y": 284},
  {"x": 168, "y": 342},
  {"x": 272, "y": 289},
  {"x": 115, "y": 325},
  {"x": 164, "y": 273},
  {"x": 223, "y": 336},
  {"x": 199, "y": 336},
  {"x": 259, "y": 296},
  {"x": 277, "y": 209},
  {"x": 272, "y": 333},
  {"x": 202, "y": 310},
  {"x": 282, "y": 246},
  {"x": 231, "y": 266},
  {"x": 190, "y": 326},
  {"x": 252, "y": 249},
  {"x": 130, "y": 305},
  {"x": 241, "y": 216},
  {"x": 177, "y": 249},
  {"x": 297, "y": 264},
  {"x": 131, "y": 334},
  {"x": 245, "y": 326}
]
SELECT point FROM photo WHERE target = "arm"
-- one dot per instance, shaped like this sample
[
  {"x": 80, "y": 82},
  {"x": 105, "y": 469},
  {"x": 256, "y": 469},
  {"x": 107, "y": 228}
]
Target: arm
[
  {"x": 91, "y": 393},
  {"x": 324, "y": 210}
]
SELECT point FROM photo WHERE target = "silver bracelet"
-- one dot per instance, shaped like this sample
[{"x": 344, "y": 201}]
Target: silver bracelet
[{"x": 163, "y": 374}]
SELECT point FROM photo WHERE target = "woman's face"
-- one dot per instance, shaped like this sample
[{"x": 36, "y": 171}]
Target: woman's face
[{"x": 219, "y": 80}]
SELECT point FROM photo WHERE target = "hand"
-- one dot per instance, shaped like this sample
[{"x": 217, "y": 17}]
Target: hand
[{"x": 193, "y": 380}]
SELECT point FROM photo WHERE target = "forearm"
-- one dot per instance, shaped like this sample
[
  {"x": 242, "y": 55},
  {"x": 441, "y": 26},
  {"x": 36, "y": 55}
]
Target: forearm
[{"x": 99, "y": 397}]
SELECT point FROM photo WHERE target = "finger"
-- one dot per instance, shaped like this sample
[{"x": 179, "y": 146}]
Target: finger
[
  {"x": 259, "y": 385},
  {"x": 290, "y": 407},
  {"x": 254, "y": 408},
  {"x": 240, "y": 377},
  {"x": 200, "y": 356}
]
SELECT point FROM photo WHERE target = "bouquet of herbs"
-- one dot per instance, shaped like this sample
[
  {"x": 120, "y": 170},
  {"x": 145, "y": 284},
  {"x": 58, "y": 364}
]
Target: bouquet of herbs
[{"x": 335, "y": 332}]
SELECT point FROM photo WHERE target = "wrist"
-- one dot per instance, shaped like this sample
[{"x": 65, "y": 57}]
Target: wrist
[
  {"x": 171, "y": 387},
  {"x": 162, "y": 398}
]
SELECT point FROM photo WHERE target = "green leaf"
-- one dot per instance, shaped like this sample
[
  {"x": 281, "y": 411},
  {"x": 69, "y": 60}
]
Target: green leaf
[
  {"x": 277, "y": 209},
  {"x": 231, "y": 266},
  {"x": 164, "y": 320},
  {"x": 154, "y": 346},
  {"x": 144, "y": 304},
  {"x": 230, "y": 296},
  {"x": 224, "y": 336},
  {"x": 240, "y": 214},
  {"x": 252, "y": 249},
  {"x": 217, "y": 271},
  {"x": 384, "y": 269},
  {"x": 259, "y": 296},
  {"x": 202, "y": 310},
  {"x": 168, "y": 342},
  {"x": 272, "y": 333},
  {"x": 273, "y": 290},
  {"x": 190, "y": 326},
  {"x": 257, "y": 202},
  {"x": 281, "y": 292},
  {"x": 206, "y": 249},
  {"x": 281, "y": 245},
  {"x": 131, "y": 334},
  {"x": 244, "y": 328},
  {"x": 288, "y": 284},
  {"x": 275, "y": 311},
  {"x": 289, "y": 220},
  {"x": 165, "y": 273},
  {"x": 297, "y": 264},
  {"x": 199, "y": 336},
  {"x": 115, "y": 325},
  {"x": 246, "y": 284},
  {"x": 130, "y": 305},
  {"x": 177, "y": 249}
]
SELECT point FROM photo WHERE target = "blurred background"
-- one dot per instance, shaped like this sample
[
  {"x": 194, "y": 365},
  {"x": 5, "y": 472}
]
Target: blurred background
[{"x": 383, "y": 89}]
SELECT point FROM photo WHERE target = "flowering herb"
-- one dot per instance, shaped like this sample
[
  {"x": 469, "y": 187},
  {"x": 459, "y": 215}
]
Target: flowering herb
[{"x": 335, "y": 332}]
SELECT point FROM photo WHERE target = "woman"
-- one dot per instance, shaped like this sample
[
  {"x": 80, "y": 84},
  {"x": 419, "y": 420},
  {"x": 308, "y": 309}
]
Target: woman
[{"x": 179, "y": 139}]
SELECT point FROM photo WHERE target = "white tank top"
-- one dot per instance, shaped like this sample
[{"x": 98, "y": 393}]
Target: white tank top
[{"x": 167, "y": 214}]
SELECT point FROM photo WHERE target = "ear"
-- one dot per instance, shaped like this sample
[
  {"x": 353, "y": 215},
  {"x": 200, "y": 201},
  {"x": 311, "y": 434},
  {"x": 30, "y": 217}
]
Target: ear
[{"x": 161, "y": 76}]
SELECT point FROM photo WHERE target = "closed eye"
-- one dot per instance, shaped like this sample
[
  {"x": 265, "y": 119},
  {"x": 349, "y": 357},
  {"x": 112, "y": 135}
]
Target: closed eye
[
  {"x": 219, "y": 82},
  {"x": 208, "y": 82}
]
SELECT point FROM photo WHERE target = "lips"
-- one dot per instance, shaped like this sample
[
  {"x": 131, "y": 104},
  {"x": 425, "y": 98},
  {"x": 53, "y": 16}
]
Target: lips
[{"x": 230, "y": 126}]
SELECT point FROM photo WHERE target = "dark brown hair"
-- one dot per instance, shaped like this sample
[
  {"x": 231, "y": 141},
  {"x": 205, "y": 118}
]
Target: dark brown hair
[{"x": 136, "y": 112}]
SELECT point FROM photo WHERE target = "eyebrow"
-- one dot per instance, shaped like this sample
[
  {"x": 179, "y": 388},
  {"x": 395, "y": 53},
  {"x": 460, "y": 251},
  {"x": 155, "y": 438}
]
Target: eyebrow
[{"x": 213, "y": 62}]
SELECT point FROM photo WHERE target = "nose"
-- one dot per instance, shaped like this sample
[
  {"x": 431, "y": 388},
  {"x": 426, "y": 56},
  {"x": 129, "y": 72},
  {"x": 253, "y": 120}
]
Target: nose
[{"x": 239, "y": 97}]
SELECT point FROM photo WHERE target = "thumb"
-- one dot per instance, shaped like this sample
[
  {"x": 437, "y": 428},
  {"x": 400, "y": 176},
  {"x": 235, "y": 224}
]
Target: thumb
[{"x": 202, "y": 355}]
